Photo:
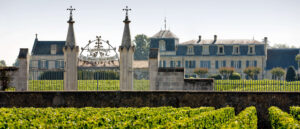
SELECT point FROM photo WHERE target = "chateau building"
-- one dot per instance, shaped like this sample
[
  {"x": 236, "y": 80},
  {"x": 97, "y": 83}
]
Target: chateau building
[{"x": 217, "y": 53}]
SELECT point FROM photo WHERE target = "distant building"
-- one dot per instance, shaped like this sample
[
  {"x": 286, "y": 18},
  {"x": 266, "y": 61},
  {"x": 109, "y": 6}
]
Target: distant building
[{"x": 217, "y": 53}]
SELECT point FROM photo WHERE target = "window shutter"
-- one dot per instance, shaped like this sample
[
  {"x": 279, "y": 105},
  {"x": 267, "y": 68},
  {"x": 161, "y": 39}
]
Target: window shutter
[
  {"x": 217, "y": 64},
  {"x": 186, "y": 64},
  {"x": 39, "y": 64},
  {"x": 56, "y": 64},
  {"x": 164, "y": 63},
  {"x": 47, "y": 64},
  {"x": 209, "y": 64},
  {"x": 160, "y": 63},
  {"x": 194, "y": 64},
  {"x": 62, "y": 64},
  {"x": 247, "y": 63},
  {"x": 178, "y": 63},
  {"x": 232, "y": 63},
  {"x": 255, "y": 63},
  {"x": 240, "y": 64}
]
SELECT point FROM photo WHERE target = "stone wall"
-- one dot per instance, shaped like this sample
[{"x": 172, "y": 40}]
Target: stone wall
[
  {"x": 239, "y": 100},
  {"x": 173, "y": 79}
]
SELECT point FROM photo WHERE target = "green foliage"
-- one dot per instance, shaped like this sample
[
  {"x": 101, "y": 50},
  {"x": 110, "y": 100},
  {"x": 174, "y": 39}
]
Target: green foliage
[
  {"x": 247, "y": 119},
  {"x": 52, "y": 75},
  {"x": 235, "y": 76},
  {"x": 256, "y": 85},
  {"x": 215, "y": 76},
  {"x": 282, "y": 120},
  {"x": 212, "y": 120},
  {"x": 291, "y": 74},
  {"x": 201, "y": 71},
  {"x": 252, "y": 71},
  {"x": 295, "y": 111},
  {"x": 87, "y": 118},
  {"x": 2, "y": 63},
  {"x": 226, "y": 72},
  {"x": 278, "y": 72},
  {"x": 297, "y": 58},
  {"x": 98, "y": 75},
  {"x": 142, "y": 47}
]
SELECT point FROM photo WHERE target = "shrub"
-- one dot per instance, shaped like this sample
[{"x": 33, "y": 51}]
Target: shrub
[
  {"x": 205, "y": 120},
  {"x": 282, "y": 120},
  {"x": 235, "y": 76},
  {"x": 291, "y": 74},
  {"x": 215, "y": 76},
  {"x": 247, "y": 119},
  {"x": 295, "y": 112}
]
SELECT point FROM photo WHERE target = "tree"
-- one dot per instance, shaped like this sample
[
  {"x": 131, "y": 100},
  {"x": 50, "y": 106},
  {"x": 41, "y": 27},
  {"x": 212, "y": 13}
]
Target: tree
[
  {"x": 142, "y": 47},
  {"x": 226, "y": 71},
  {"x": 252, "y": 71},
  {"x": 291, "y": 74},
  {"x": 2, "y": 63},
  {"x": 201, "y": 71},
  {"x": 280, "y": 45},
  {"x": 277, "y": 72},
  {"x": 235, "y": 76}
]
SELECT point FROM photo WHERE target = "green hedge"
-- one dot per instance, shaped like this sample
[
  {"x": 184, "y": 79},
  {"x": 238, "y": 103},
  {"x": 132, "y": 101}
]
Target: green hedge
[
  {"x": 282, "y": 120},
  {"x": 212, "y": 120},
  {"x": 295, "y": 111},
  {"x": 247, "y": 119},
  {"x": 88, "y": 118}
]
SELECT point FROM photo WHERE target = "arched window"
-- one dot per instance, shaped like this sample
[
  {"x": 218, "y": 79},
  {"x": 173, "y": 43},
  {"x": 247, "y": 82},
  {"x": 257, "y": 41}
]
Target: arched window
[{"x": 162, "y": 45}]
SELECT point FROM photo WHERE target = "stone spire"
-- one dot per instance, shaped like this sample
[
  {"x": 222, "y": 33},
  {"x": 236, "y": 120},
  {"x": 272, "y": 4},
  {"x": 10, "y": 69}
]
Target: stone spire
[
  {"x": 126, "y": 40},
  {"x": 71, "y": 35}
]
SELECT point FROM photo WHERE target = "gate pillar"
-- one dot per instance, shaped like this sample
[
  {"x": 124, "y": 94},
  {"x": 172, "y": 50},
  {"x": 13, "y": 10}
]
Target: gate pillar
[
  {"x": 70, "y": 57},
  {"x": 126, "y": 57},
  {"x": 23, "y": 72}
]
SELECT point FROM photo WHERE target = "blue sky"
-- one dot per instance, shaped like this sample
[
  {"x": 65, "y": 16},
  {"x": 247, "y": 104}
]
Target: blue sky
[{"x": 278, "y": 20}]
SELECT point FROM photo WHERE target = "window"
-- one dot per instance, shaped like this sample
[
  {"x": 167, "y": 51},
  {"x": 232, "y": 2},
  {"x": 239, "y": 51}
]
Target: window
[
  {"x": 53, "y": 49},
  {"x": 205, "y": 64},
  {"x": 178, "y": 64},
  {"x": 59, "y": 64},
  {"x": 190, "y": 50},
  {"x": 172, "y": 64},
  {"x": 164, "y": 64},
  {"x": 190, "y": 64},
  {"x": 205, "y": 50},
  {"x": 43, "y": 64},
  {"x": 221, "y": 50},
  {"x": 236, "y": 50},
  {"x": 251, "y": 49},
  {"x": 223, "y": 63},
  {"x": 236, "y": 64},
  {"x": 252, "y": 63},
  {"x": 162, "y": 45},
  {"x": 217, "y": 64}
]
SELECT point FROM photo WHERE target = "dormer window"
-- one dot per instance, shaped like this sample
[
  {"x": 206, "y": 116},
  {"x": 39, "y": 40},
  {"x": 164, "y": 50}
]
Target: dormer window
[
  {"x": 236, "y": 50},
  {"x": 190, "y": 50},
  {"x": 220, "y": 50},
  {"x": 205, "y": 50},
  {"x": 162, "y": 45},
  {"x": 251, "y": 49},
  {"x": 53, "y": 49}
]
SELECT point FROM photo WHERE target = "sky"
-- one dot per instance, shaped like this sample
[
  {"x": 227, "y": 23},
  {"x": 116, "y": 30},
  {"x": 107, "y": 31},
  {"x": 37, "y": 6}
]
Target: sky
[{"x": 20, "y": 20}]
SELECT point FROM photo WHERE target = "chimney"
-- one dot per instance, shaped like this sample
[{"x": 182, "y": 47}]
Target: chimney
[
  {"x": 199, "y": 39},
  {"x": 266, "y": 40},
  {"x": 215, "y": 39}
]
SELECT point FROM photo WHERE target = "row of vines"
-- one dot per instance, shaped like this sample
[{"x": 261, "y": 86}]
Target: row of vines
[
  {"x": 160, "y": 117},
  {"x": 283, "y": 120}
]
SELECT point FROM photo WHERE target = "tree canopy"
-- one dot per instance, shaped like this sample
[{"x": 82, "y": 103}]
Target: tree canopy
[
  {"x": 201, "y": 71},
  {"x": 226, "y": 72},
  {"x": 252, "y": 71},
  {"x": 278, "y": 72},
  {"x": 142, "y": 43},
  {"x": 291, "y": 74},
  {"x": 2, "y": 63}
]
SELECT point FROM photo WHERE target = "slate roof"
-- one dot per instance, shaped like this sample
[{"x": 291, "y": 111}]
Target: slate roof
[
  {"x": 224, "y": 41},
  {"x": 165, "y": 34},
  {"x": 44, "y": 47},
  {"x": 282, "y": 58}
]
